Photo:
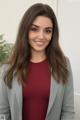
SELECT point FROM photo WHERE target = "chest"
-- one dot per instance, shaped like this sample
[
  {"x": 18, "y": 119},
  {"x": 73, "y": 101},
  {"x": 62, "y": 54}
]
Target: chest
[{"x": 37, "y": 83}]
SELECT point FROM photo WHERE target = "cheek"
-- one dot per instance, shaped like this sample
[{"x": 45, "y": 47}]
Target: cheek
[
  {"x": 31, "y": 34},
  {"x": 49, "y": 37}
]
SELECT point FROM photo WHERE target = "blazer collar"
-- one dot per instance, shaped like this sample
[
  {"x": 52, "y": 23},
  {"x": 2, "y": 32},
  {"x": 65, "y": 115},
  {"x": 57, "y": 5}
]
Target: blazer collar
[{"x": 53, "y": 92}]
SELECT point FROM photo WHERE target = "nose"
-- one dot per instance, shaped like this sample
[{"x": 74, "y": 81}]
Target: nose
[{"x": 41, "y": 34}]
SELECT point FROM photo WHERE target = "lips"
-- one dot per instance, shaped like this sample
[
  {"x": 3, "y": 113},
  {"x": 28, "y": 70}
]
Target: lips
[{"x": 40, "y": 43}]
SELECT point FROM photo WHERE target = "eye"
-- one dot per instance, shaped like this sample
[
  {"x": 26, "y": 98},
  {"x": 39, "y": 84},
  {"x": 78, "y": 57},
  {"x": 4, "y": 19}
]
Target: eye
[
  {"x": 48, "y": 31},
  {"x": 34, "y": 29}
]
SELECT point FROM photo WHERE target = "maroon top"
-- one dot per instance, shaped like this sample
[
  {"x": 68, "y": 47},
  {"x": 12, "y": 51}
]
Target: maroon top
[{"x": 36, "y": 91}]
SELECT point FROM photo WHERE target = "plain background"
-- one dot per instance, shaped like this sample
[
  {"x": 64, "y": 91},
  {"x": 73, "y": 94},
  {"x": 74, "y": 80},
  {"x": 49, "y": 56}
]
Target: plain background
[
  {"x": 69, "y": 23},
  {"x": 68, "y": 14}
]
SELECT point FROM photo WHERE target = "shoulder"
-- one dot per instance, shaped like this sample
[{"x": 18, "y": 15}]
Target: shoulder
[
  {"x": 3, "y": 69},
  {"x": 67, "y": 60},
  {"x": 69, "y": 64},
  {"x": 70, "y": 73}
]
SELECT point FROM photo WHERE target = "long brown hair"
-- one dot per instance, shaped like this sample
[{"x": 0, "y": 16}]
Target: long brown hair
[{"x": 20, "y": 56}]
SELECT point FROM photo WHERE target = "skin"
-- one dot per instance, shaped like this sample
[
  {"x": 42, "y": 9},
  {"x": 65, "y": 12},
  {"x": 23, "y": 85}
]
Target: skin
[{"x": 40, "y": 34}]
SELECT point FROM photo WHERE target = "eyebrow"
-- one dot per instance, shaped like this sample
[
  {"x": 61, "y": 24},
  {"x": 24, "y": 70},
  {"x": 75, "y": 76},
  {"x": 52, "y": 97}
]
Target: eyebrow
[{"x": 45, "y": 27}]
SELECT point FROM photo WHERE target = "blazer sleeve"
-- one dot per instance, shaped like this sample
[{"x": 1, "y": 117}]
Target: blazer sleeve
[
  {"x": 4, "y": 104},
  {"x": 68, "y": 98}
]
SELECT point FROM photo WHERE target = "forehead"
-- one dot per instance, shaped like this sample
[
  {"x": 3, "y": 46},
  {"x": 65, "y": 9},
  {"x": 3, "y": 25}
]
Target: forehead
[{"x": 43, "y": 21}]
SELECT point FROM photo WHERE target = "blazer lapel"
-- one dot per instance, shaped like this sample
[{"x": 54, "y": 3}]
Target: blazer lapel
[
  {"x": 18, "y": 92},
  {"x": 53, "y": 92}
]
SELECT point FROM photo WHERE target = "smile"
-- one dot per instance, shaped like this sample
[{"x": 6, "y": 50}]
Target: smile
[{"x": 39, "y": 43}]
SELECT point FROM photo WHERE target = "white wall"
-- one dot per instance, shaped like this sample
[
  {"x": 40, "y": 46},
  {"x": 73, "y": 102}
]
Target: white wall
[
  {"x": 69, "y": 22},
  {"x": 11, "y": 12}
]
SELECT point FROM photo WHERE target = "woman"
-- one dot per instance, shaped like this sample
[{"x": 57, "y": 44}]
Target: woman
[{"x": 36, "y": 83}]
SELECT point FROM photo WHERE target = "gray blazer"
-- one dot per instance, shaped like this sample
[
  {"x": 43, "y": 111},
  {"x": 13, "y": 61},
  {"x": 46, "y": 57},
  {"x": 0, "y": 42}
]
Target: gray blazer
[{"x": 61, "y": 100}]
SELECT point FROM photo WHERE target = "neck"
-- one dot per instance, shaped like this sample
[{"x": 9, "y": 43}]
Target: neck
[{"x": 38, "y": 57}]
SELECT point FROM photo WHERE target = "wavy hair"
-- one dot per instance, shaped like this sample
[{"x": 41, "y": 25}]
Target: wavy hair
[{"x": 20, "y": 57}]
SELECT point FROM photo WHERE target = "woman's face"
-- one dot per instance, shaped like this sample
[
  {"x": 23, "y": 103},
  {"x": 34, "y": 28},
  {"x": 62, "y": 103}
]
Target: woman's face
[{"x": 40, "y": 33}]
